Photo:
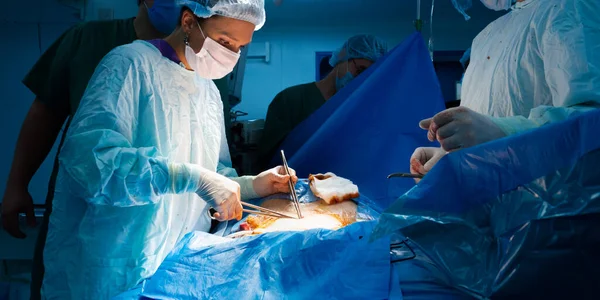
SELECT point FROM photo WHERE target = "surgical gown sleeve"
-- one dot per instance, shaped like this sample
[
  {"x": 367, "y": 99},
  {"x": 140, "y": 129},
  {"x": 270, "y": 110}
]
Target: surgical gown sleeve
[
  {"x": 101, "y": 164},
  {"x": 225, "y": 168},
  {"x": 569, "y": 39}
]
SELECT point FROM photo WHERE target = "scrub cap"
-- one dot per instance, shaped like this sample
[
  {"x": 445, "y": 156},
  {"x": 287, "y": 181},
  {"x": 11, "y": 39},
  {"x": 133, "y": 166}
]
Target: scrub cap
[
  {"x": 360, "y": 46},
  {"x": 252, "y": 11}
]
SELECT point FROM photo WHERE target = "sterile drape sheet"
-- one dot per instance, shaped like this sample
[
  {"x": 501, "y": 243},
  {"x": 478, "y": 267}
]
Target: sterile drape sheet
[
  {"x": 518, "y": 216},
  {"x": 370, "y": 128},
  {"x": 321, "y": 264}
]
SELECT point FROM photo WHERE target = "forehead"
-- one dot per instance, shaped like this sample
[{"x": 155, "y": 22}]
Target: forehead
[{"x": 238, "y": 30}]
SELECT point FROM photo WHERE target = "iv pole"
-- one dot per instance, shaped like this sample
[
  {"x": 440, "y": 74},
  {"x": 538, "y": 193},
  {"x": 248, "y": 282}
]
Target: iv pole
[{"x": 418, "y": 21}]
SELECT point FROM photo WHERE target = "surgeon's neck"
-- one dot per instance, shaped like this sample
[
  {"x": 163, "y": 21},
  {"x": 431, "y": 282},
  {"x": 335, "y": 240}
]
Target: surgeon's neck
[
  {"x": 327, "y": 86},
  {"x": 176, "y": 41}
]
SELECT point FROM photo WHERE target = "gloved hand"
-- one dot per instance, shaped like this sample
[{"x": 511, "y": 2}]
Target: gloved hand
[
  {"x": 273, "y": 181},
  {"x": 460, "y": 127},
  {"x": 222, "y": 194},
  {"x": 16, "y": 200},
  {"x": 423, "y": 159}
]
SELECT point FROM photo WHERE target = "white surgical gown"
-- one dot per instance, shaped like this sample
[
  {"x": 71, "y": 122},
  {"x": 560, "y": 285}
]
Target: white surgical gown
[
  {"x": 125, "y": 189},
  {"x": 538, "y": 64}
]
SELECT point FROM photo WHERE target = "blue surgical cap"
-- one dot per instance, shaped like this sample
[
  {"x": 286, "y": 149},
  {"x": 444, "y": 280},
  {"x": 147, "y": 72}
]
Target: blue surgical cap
[
  {"x": 359, "y": 46},
  {"x": 164, "y": 15},
  {"x": 252, "y": 11},
  {"x": 466, "y": 57}
]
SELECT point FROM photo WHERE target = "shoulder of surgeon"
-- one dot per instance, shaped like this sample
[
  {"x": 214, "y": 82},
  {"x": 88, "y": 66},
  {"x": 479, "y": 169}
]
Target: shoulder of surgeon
[
  {"x": 137, "y": 53},
  {"x": 103, "y": 30},
  {"x": 291, "y": 94}
]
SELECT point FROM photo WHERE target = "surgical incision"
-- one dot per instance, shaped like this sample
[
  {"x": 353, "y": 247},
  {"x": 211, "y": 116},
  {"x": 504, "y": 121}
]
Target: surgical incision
[{"x": 316, "y": 215}]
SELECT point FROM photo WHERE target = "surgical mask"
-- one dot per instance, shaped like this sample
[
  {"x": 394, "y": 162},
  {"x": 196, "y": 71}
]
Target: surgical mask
[
  {"x": 498, "y": 4},
  {"x": 341, "y": 82},
  {"x": 163, "y": 15},
  {"x": 214, "y": 61}
]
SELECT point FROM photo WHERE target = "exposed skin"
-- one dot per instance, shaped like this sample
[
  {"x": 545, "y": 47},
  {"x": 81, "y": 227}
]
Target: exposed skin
[
  {"x": 354, "y": 66},
  {"x": 38, "y": 133}
]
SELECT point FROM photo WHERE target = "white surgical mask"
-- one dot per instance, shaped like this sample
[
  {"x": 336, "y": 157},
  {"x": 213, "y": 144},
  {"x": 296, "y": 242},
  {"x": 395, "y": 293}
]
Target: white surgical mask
[
  {"x": 497, "y": 4},
  {"x": 214, "y": 61}
]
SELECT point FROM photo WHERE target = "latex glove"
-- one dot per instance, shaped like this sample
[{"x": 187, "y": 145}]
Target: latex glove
[
  {"x": 273, "y": 181},
  {"x": 222, "y": 194},
  {"x": 460, "y": 127},
  {"x": 423, "y": 159},
  {"x": 16, "y": 200}
]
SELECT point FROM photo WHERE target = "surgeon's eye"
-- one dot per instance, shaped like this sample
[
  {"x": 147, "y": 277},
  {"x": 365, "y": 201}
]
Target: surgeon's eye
[{"x": 224, "y": 42}]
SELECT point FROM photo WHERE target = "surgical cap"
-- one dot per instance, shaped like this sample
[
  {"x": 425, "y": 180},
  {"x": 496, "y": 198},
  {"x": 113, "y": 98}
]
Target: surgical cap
[
  {"x": 466, "y": 57},
  {"x": 360, "y": 46},
  {"x": 252, "y": 11}
]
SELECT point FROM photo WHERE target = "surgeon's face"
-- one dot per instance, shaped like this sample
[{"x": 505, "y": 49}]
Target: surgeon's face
[
  {"x": 354, "y": 66},
  {"x": 231, "y": 33}
]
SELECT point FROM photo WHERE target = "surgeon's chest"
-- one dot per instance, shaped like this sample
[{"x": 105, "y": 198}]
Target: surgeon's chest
[
  {"x": 188, "y": 117},
  {"x": 505, "y": 67}
]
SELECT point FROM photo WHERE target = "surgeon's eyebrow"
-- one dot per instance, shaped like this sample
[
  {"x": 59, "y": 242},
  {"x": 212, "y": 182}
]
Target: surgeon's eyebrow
[{"x": 227, "y": 34}]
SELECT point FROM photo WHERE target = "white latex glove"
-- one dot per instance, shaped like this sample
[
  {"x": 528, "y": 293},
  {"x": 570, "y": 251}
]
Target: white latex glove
[
  {"x": 460, "y": 127},
  {"x": 423, "y": 159},
  {"x": 222, "y": 194},
  {"x": 273, "y": 181}
]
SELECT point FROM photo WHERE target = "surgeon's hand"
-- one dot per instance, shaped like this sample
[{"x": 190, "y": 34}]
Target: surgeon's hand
[
  {"x": 222, "y": 194},
  {"x": 459, "y": 127},
  {"x": 423, "y": 159},
  {"x": 16, "y": 200},
  {"x": 273, "y": 181}
]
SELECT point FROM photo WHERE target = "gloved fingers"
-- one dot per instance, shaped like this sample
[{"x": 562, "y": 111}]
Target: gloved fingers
[
  {"x": 280, "y": 170},
  {"x": 422, "y": 154},
  {"x": 416, "y": 165},
  {"x": 224, "y": 213},
  {"x": 278, "y": 178},
  {"x": 431, "y": 128},
  {"x": 416, "y": 168},
  {"x": 447, "y": 116},
  {"x": 239, "y": 211},
  {"x": 448, "y": 130},
  {"x": 293, "y": 174},
  {"x": 218, "y": 217},
  {"x": 281, "y": 187},
  {"x": 424, "y": 124},
  {"x": 433, "y": 161},
  {"x": 452, "y": 143},
  {"x": 441, "y": 119}
]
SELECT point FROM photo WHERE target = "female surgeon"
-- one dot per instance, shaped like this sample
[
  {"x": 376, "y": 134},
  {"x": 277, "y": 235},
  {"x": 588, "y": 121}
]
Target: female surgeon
[
  {"x": 538, "y": 64},
  {"x": 146, "y": 155}
]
